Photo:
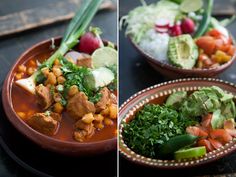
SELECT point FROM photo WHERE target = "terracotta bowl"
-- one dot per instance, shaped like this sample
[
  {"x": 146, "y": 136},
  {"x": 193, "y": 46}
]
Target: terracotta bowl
[
  {"x": 49, "y": 143},
  {"x": 173, "y": 72},
  {"x": 157, "y": 94}
]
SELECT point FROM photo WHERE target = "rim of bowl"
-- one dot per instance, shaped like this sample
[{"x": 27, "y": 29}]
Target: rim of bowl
[
  {"x": 182, "y": 70},
  {"x": 20, "y": 125},
  {"x": 129, "y": 154}
]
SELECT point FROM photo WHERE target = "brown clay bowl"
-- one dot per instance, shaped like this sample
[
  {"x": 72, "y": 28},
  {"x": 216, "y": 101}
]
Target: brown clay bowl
[
  {"x": 173, "y": 72},
  {"x": 157, "y": 94},
  {"x": 46, "y": 142}
]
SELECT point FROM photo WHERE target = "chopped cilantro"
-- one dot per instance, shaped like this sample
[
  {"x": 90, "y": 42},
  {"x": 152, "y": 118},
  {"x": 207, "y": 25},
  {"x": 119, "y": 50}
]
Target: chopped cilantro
[
  {"x": 96, "y": 98},
  {"x": 153, "y": 126},
  {"x": 40, "y": 78},
  {"x": 75, "y": 76}
]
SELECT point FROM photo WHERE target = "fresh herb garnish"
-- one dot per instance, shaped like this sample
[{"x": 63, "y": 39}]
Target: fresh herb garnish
[
  {"x": 75, "y": 76},
  {"x": 40, "y": 78},
  {"x": 153, "y": 126},
  {"x": 63, "y": 101},
  {"x": 52, "y": 90},
  {"x": 96, "y": 98}
]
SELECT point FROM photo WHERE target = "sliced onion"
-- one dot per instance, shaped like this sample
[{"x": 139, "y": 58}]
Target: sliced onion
[
  {"x": 161, "y": 30},
  {"x": 162, "y": 23}
]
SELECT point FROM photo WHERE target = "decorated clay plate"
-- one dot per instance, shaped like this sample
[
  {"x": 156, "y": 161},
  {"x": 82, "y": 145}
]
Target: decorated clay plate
[{"x": 157, "y": 94}]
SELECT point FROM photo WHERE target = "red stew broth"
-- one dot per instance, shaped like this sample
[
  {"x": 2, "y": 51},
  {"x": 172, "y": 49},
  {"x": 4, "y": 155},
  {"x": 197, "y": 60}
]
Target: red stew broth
[{"x": 23, "y": 101}]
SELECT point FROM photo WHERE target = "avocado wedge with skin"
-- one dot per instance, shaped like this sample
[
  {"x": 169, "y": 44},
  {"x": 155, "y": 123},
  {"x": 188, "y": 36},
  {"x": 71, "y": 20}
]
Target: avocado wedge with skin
[{"x": 182, "y": 51}]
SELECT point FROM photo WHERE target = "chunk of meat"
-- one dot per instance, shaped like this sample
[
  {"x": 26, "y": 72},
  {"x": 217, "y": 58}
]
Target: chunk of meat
[
  {"x": 79, "y": 105},
  {"x": 84, "y": 60},
  {"x": 56, "y": 116},
  {"x": 83, "y": 130},
  {"x": 104, "y": 101},
  {"x": 43, "y": 123},
  {"x": 44, "y": 96}
]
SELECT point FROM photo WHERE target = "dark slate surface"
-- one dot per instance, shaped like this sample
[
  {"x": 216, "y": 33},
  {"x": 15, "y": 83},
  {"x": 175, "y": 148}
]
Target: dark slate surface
[
  {"x": 12, "y": 46},
  {"x": 135, "y": 75}
]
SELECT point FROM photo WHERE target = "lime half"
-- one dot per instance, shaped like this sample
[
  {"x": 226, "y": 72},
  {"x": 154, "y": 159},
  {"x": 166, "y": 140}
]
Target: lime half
[
  {"x": 191, "y": 153},
  {"x": 104, "y": 57},
  {"x": 191, "y": 6}
]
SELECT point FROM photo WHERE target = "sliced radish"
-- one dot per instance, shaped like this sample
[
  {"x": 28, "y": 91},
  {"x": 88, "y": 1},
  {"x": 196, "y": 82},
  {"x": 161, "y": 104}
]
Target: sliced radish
[
  {"x": 162, "y": 23},
  {"x": 161, "y": 30}
]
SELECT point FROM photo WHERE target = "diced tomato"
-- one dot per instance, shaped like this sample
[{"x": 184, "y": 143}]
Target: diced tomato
[
  {"x": 220, "y": 44},
  {"x": 203, "y": 57},
  {"x": 231, "y": 50},
  {"x": 224, "y": 48},
  {"x": 206, "y": 143},
  {"x": 218, "y": 35},
  {"x": 232, "y": 132},
  {"x": 207, "y": 63},
  {"x": 206, "y": 121},
  {"x": 196, "y": 131},
  {"x": 214, "y": 33},
  {"x": 207, "y": 43},
  {"x": 216, "y": 144},
  {"x": 221, "y": 135}
]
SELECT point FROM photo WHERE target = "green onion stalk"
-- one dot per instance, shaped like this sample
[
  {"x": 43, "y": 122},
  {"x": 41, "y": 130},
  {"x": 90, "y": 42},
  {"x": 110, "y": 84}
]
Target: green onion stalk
[
  {"x": 76, "y": 28},
  {"x": 206, "y": 19}
]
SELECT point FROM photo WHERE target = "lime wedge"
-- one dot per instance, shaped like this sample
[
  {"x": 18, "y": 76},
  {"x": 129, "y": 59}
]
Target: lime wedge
[
  {"x": 191, "y": 153},
  {"x": 191, "y": 6},
  {"x": 104, "y": 56}
]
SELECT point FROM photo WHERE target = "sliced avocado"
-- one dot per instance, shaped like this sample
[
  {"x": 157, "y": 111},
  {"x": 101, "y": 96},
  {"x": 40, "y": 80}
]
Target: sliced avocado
[
  {"x": 228, "y": 110},
  {"x": 182, "y": 51},
  {"x": 217, "y": 120},
  {"x": 99, "y": 77},
  {"x": 176, "y": 98}
]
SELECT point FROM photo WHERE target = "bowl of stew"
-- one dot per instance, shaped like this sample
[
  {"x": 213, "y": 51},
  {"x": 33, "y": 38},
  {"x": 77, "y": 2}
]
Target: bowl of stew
[{"x": 70, "y": 122}]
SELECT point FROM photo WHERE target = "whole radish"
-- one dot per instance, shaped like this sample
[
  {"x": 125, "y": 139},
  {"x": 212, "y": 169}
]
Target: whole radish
[
  {"x": 175, "y": 30},
  {"x": 188, "y": 26},
  {"x": 90, "y": 41}
]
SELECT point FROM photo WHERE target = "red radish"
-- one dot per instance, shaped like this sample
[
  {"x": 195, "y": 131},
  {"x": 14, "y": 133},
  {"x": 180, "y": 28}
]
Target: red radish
[
  {"x": 175, "y": 30},
  {"x": 187, "y": 26},
  {"x": 90, "y": 41},
  {"x": 162, "y": 23}
]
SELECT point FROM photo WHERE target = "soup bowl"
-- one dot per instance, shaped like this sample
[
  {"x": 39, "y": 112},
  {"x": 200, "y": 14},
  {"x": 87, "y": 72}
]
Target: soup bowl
[
  {"x": 173, "y": 72},
  {"x": 71, "y": 148},
  {"x": 157, "y": 94}
]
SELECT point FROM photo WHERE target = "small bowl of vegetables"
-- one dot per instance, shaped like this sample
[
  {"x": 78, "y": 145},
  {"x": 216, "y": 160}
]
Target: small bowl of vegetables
[
  {"x": 180, "y": 38},
  {"x": 178, "y": 124}
]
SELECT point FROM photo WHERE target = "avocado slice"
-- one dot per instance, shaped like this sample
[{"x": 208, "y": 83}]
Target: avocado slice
[
  {"x": 99, "y": 77},
  {"x": 176, "y": 98},
  {"x": 182, "y": 51}
]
